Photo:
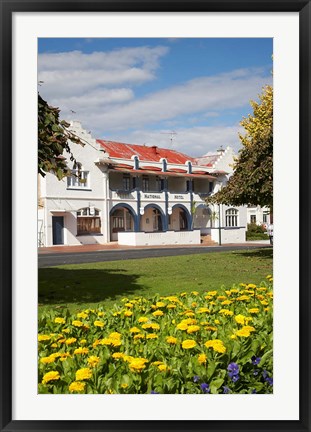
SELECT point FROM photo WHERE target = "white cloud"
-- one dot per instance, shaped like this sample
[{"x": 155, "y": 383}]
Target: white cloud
[
  {"x": 195, "y": 141},
  {"x": 73, "y": 73},
  {"x": 215, "y": 93},
  {"x": 99, "y": 87}
]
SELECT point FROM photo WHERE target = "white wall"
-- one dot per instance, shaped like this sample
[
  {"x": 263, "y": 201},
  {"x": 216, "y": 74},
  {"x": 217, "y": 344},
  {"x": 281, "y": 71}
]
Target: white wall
[{"x": 159, "y": 238}]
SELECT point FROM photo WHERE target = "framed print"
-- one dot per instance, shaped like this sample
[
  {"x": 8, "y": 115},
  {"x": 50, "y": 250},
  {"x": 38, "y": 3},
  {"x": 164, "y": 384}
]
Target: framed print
[{"x": 47, "y": 49}]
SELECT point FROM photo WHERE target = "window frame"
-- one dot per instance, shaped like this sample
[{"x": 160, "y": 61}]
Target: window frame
[{"x": 231, "y": 217}]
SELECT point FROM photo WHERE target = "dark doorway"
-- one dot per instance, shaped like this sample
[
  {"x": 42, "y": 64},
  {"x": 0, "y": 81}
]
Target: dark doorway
[{"x": 58, "y": 230}]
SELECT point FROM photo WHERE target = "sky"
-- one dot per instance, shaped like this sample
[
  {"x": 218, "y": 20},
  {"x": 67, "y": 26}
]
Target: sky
[{"x": 186, "y": 94}]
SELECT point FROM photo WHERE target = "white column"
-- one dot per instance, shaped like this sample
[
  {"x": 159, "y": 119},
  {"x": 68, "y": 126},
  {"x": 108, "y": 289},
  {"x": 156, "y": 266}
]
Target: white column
[{"x": 106, "y": 218}]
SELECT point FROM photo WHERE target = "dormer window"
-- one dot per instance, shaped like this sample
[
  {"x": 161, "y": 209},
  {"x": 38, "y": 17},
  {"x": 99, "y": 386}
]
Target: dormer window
[{"x": 79, "y": 178}]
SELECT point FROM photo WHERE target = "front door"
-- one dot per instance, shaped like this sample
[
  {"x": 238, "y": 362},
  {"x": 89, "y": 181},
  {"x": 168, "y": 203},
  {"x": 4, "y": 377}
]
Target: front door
[{"x": 58, "y": 230}]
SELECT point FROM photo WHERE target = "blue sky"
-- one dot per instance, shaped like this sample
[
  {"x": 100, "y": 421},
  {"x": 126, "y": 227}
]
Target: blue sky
[{"x": 139, "y": 90}]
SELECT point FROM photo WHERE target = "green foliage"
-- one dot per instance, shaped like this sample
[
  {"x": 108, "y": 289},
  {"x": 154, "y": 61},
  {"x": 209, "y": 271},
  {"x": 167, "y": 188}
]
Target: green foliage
[
  {"x": 252, "y": 180},
  {"x": 256, "y": 232},
  {"x": 53, "y": 137},
  {"x": 177, "y": 344}
]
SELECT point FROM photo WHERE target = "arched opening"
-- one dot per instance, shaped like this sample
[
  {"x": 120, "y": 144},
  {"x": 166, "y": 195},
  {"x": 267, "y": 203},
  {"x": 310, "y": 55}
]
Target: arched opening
[
  {"x": 202, "y": 217},
  {"x": 180, "y": 219},
  {"x": 122, "y": 218},
  {"x": 153, "y": 219}
]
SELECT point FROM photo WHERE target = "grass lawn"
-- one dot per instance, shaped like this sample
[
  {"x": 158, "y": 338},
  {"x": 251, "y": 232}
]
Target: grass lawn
[{"x": 81, "y": 286}]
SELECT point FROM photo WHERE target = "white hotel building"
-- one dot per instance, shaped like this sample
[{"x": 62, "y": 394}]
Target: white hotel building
[{"x": 137, "y": 195}]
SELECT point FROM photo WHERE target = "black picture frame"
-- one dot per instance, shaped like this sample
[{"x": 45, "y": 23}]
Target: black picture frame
[{"x": 7, "y": 9}]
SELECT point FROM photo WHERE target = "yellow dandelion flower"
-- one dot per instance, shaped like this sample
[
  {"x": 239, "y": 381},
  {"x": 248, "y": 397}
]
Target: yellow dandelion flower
[
  {"x": 193, "y": 329},
  {"x": 124, "y": 385},
  {"x": 216, "y": 344},
  {"x": 50, "y": 376},
  {"x": 82, "y": 315},
  {"x": 210, "y": 328},
  {"x": 253, "y": 310},
  {"x": 47, "y": 360},
  {"x": 83, "y": 374},
  {"x": 118, "y": 355},
  {"x": 143, "y": 320},
  {"x": 189, "y": 313},
  {"x": 137, "y": 364},
  {"x": 59, "y": 320},
  {"x": 43, "y": 338},
  {"x": 226, "y": 302},
  {"x": 240, "y": 319},
  {"x": 202, "y": 358},
  {"x": 221, "y": 297},
  {"x": 155, "y": 326},
  {"x": 226, "y": 312},
  {"x": 77, "y": 323},
  {"x": 243, "y": 298},
  {"x": 152, "y": 336},
  {"x": 171, "y": 306},
  {"x": 81, "y": 350},
  {"x": 171, "y": 340},
  {"x": 243, "y": 332},
  {"x": 216, "y": 321},
  {"x": 70, "y": 341},
  {"x": 99, "y": 324},
  {"x": 163, "y": 368},
  {"x": 203, "y": 310},
  {"x": 266, "y": 309},
  {"x": 211, "y": 293},
  {"x": 54, "y": 345},
  {"x": 77, "y": 386},
  {"x": 100, "y": 314},
  {"x": 139, "y": 336},
  {"x": 134, "y": 330},
  {"x": 182, "y": 326},
  {"x": 82, "y": 341},
  {"x": 188, "y": 344},
  {"x": 160, "y": 304},
  {"x": 93, "y": 361},
  {"x": 157, "y": 313},
  {"x": 67, "y": 330},
  {"x": 128, "y": 313}
]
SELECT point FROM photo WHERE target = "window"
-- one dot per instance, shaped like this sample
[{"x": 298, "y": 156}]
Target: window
[
  {"x": 159, "y": 184},
  {"x": 253, "y": 218},
  {"x": 126, "y": 182},
  {"x": 79, "y": 178},
  {"x": 232, "y": 217},
  {"x": 157, "y": 220},
  {"x": 265, "y": 218},
  {"x": 211, "y": 187},
  {"x": 88, "y": 221},
  {"x": 145, "y": 185}
]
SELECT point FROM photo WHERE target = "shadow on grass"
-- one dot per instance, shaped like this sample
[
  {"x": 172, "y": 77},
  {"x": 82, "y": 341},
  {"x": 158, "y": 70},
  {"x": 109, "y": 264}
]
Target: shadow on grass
[
  {"x": 61, "y": 286},
  {"x": 265, "y": 253}
]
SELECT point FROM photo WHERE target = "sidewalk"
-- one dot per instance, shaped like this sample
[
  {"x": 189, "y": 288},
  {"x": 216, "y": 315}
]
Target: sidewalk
[{"x": 116, "y": 246}]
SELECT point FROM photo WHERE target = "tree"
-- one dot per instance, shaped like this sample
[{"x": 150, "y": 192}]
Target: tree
[
  {"x": 53, "y": 137},
  {"x": 252, "y": 180}
]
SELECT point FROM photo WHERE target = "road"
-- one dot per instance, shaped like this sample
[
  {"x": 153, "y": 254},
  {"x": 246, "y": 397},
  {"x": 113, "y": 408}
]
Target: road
[{"x": 55, "y": 259}]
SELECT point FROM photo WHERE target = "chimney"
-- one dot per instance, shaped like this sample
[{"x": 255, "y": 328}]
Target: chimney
[{"x": 155, "y": 149}]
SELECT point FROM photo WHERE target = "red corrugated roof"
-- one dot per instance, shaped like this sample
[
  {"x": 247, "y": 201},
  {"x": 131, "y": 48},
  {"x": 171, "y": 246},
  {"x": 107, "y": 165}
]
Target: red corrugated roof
[
  {"x": 164, "y": 174},
  {"x": 207, "y": 160},
  {"x": 145, "y": 153}
]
